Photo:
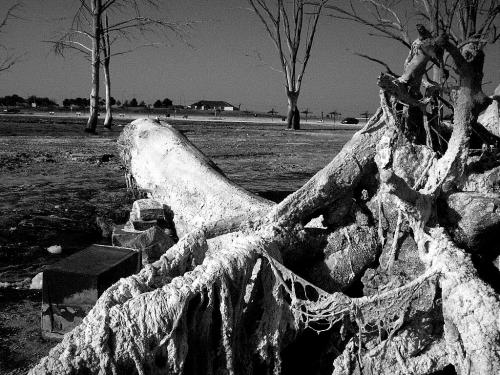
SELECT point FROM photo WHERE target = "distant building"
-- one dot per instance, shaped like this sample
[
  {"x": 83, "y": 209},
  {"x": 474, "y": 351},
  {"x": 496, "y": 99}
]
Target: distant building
[{"x": 213, "y": 104}]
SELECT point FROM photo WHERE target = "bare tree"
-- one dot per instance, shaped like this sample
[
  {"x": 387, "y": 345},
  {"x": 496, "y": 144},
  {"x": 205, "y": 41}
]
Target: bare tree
[
  {"x": 292, "y": 28},
  {"x": 7, "y": 60},
  {"x": 106, "y": 52},
  {"x": 94, "y": 34}
]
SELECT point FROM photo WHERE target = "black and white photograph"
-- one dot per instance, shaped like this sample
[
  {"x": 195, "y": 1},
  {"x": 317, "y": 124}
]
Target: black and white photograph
[{"x": 246, "y": 187}]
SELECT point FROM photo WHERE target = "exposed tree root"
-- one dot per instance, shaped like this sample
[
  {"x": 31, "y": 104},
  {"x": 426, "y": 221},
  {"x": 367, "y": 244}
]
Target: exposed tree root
[
  {"x": 393, "y": 357},
  {"x": 471, "y": 308}
]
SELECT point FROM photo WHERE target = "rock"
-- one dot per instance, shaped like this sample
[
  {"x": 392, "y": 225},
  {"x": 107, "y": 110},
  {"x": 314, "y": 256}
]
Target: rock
[
  {"x": 473, "y": 220},
  {"x": 147, "y": 210},
  {"x": 139, "y": 225},
  {"x": 482, "y": 181},
  {"x": 105, "y": 225},
  {"x": 152, "y": 243},
  {"x": 142, "y": 225},
  {"x": 145, "y": 214},
  {"x": 37, "y": 281},
  {"x": 490, "y": 117},
  {"x": 106, "y": 157},
  {"x": 123, "y": 234},
  {"x": 347, "y": 253},
  {"x": 55, "y": 249},
  {"x": 410, "y": 162}
]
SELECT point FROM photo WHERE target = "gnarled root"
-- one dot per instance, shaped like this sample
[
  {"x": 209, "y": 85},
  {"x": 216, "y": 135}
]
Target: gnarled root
[
  {"x": 471, "y": 308},
  {"x": 151, "y": 332}
]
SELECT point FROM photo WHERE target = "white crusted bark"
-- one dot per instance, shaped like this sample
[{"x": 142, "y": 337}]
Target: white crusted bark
[{"x": 174, "y": 172}]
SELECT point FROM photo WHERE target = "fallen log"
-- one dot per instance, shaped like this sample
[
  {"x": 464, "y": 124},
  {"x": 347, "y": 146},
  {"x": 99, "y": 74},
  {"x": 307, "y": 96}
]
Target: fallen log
[
  {"x": 174, "y": 172},
  {"x": 155, "y": 153}
]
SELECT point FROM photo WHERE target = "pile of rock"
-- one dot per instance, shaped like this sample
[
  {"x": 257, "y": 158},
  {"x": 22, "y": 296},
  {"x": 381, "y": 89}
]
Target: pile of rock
[{"x": 147, "y": 231}]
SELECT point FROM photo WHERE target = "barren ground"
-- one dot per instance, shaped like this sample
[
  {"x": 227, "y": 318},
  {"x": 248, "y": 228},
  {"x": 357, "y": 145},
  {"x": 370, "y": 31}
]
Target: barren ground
[{"x": 56, "y": 180}]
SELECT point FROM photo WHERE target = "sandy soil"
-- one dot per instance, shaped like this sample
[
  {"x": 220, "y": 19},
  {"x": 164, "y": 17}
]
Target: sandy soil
[{"x": 57, "y": 181}]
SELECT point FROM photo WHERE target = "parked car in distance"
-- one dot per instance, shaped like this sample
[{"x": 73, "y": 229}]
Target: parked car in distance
[
  {"x": 11, "y": 110},
  {"x": 349, "y": 120}
]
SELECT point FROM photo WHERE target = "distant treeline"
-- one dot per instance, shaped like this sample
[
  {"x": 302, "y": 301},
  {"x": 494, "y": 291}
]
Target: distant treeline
[
  {"x": 35, "y": 101},
  {"x": 76, "y": 102},
  {"x": 85, "y": 102},
  {"x": 31, "y": 101}
]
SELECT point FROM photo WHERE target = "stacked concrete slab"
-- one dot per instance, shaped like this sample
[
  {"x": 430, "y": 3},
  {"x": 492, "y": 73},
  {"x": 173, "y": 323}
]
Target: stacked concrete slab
[{"x": 147, "y": 231}]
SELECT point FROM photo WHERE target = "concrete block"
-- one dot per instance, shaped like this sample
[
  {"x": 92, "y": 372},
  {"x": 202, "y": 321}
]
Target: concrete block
[
  {"x": 72, "y": 286},
  {"x": 147, "y": 210}
]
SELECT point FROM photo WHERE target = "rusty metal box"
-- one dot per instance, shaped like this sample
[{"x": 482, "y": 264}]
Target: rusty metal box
[{"x": 72, "y": 286}]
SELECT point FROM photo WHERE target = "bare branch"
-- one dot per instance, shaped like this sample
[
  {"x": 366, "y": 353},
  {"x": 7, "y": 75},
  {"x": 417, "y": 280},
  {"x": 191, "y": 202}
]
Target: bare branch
[
  {"x": 8, "y": 60},
  {"x": 272, "y": 27},
  {"x": 378, "y": 23},
  {"x": 377, "y": 61},
  {"x": 309, "y": 44},
  {"x": 10, "y": 14},
  {"x": 287, "y": 24},
  {"x": 268, "y": 25}
]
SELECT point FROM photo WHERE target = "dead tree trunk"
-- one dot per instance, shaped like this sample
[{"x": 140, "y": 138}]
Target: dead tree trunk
[
  {"x": 96, "y": 65},
  {"x": 108, "y": 120},
  {"x": 106, "y": 47},
  {"x": 293, "y": 114}
]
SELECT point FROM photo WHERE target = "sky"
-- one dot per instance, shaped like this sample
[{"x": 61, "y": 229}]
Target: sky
[{"x": 219, "y": 63}]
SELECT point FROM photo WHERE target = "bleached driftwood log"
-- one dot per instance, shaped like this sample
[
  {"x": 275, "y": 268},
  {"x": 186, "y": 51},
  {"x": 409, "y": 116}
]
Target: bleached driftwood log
[{"x": 173, "y": 171}]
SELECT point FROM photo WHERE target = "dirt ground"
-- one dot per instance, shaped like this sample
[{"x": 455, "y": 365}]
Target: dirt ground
[{"x": 57, "y": 183}]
